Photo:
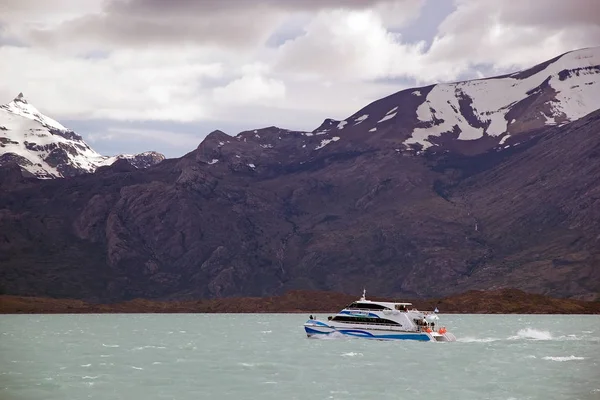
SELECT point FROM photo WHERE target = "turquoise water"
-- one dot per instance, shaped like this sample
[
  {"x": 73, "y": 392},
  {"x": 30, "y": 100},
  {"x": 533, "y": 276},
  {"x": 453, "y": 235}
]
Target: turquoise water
[{"x": 267, "y": 356}]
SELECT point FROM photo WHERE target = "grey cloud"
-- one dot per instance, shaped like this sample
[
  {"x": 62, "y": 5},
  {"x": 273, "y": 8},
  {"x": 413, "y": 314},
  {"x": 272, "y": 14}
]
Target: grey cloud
[
  {"x": 554, "y": 14},
  {"x": 123, "y": 30},
  {"x": 234, "y": 23},
  {"x": 184, "y": 7}
]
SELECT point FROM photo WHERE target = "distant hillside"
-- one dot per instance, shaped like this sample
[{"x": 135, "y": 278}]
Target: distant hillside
[{"x": 508, "y": 301}]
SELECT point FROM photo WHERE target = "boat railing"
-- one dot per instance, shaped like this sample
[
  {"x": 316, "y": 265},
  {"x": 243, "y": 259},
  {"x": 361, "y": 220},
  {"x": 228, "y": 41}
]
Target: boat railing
[
  {"x": 367, "y": 309},
  {"x": 368, "y": 323}
]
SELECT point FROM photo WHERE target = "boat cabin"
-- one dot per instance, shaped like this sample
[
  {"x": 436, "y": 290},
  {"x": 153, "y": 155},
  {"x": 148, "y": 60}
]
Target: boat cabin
[
  {"x": 364, "y": 304},
  {"x": 377, "y": 306}
]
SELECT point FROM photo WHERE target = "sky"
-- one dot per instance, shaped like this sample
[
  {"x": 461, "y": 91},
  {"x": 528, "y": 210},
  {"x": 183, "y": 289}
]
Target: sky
[{"x": 137, "y": 75}]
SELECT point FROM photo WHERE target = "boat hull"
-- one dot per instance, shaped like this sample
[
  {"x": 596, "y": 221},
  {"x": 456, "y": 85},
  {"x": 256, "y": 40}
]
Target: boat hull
[{"x": 315, "y": 328}]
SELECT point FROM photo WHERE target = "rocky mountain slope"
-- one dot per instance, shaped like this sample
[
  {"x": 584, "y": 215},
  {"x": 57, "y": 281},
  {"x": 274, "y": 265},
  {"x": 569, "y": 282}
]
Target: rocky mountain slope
[
  {"x": 46, "y": 149},
  {"x": 340, "y": 208}
]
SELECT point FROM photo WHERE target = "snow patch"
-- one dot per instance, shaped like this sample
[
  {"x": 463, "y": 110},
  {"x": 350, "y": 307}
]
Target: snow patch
[
  {"x": 213, "y": 161},
  {"x": 342, "y": 124},
  {"x": 373, "y": 129},
  {"x": 361, "y": 119},
  {"x": 504, "y": 139},
  {"x": 252, "y": 165},
  {"x": 416, "y": 93},
  {"x": 325, "y": 142},
  {"x": 387, "y": 116},
  {"x": 19, "y": 106}
]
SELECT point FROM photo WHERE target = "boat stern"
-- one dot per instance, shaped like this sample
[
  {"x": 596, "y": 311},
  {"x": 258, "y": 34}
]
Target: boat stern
[{"x": 443, "y": 337}]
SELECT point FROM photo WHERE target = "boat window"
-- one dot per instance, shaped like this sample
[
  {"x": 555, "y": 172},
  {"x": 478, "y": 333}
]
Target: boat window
[
  {"x": 367, "y": 306},
  {"x": 365, "y": 320}
]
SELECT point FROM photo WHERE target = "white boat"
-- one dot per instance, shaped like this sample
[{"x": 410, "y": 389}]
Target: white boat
[{"x": 381, "y": 320}]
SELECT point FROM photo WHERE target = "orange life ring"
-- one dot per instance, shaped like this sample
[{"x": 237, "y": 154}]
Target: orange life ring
[
  {"x": 442, "y": 330},
  {"x": 428, "y": 330}
]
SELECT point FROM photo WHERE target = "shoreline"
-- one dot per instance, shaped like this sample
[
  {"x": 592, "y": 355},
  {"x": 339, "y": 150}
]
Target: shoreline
[{"x": 504, "y": 301}]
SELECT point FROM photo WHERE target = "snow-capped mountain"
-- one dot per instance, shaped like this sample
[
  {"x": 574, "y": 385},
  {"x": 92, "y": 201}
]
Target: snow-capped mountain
[
  {"x": 472, "y": 116},
  {"x": 46, "y": 149}
]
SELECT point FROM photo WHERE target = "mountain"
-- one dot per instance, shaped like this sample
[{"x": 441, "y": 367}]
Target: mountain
[
  {"x": 474, "y": 116},
  {"x": 340, "y": 208},
  {"x": 46, "y": 149}
]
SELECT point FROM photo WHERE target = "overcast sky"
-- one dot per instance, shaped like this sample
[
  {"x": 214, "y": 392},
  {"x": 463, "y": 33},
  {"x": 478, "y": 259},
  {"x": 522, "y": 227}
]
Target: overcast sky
[{"x": 139, "y": 75}]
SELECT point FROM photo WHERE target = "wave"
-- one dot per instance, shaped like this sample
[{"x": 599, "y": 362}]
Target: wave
[
  {"x": 561, "y": 359},
  {"x": 331, "y": 336},
  {"x": 149, "y": 347},
  {"x": 352, "y": 354},
  {"x": 477, "y": 340},
  {"x": 110, "y": 345},
  {"x": 531, "y": 334},
  {"x": 250, "y": 365}
]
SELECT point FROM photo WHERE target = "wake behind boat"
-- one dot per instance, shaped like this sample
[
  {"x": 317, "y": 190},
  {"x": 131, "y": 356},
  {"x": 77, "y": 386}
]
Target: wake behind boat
[{"x": 381, "y": 320}]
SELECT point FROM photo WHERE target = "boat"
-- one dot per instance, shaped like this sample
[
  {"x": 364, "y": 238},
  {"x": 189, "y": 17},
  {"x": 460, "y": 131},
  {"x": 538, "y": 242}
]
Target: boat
[{"x": 381, "y": 321}]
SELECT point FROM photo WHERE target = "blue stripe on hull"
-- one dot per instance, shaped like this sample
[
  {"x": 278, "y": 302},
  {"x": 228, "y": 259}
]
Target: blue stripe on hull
[{"x": 368, "y": 335}]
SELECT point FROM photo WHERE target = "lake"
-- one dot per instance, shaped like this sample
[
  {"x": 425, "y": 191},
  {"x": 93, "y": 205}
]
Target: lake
[{"x": 268, "y": 356}]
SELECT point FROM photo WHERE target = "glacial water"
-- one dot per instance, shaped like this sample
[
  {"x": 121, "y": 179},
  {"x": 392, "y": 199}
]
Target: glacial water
[{"x": 258, "y": 356}]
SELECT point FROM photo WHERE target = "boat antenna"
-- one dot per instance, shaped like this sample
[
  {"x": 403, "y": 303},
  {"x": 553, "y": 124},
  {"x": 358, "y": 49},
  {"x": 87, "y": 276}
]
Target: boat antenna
[{"x": 364, "y": 294}]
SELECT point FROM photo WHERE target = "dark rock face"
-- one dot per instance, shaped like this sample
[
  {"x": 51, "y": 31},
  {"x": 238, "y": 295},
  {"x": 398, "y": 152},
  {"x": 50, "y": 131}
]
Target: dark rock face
[{"x": 347, "y": 218}]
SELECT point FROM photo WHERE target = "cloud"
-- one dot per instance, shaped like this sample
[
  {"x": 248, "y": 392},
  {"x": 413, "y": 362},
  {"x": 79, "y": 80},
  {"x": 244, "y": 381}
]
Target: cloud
[
  {"x": 153, "y": 84},
  {"x": 137, "y": 23},
  {"x": 513, "y": 34},
  {"x": 174, "y": 139},
  {"x": 290, "y": 63},
  {"x": 505, "y": 35},
  {"x": 349, "y": 44},
  {"x": 250, "y": 89}
]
